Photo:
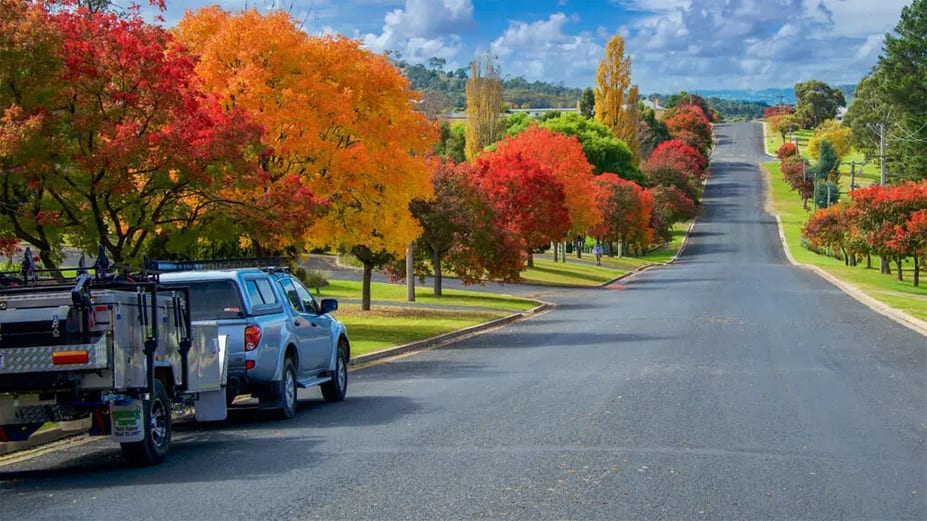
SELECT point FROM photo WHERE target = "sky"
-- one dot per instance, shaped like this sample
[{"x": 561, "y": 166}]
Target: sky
[{"x": 674, "y": 45}]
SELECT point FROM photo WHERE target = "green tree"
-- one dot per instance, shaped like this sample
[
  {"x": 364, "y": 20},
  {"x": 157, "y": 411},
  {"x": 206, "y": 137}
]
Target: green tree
[
  {"x": 451, "y": 144},
  {"x": 603, "y": 150},
  {"x": 825, "y": 174},
  {"x": 904, "y": 66},
  {"x": 653, "y": 132},
  {"x": 587, "y": 103},
  {"x": 816, "y": 102}
]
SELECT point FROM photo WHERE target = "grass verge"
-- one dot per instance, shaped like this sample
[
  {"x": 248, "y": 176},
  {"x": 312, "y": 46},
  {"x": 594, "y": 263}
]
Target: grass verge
[
  {"x": 386, "y": 326},
  {"x": 380, "y": 291},
  {"x": 901, "y": 295},
  {"x": 546, "y": 271}
]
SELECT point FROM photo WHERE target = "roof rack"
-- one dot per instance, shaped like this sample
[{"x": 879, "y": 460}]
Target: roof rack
[
  {"x": 101, "y": 274},
  {"x": 264, "y": 263}
]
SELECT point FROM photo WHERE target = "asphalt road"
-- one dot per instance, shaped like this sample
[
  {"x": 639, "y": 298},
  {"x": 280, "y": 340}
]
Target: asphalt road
[{"x": 729, "y": 385}]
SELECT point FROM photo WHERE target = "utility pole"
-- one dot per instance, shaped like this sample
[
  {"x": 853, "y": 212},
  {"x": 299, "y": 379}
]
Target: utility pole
[
  {"x": 410, "y": 272},
  {"x": 882, "y": 153}
]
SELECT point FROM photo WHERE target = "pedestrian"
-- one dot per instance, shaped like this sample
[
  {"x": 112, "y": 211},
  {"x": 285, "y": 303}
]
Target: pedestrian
[{"x": 597, "y": 250}]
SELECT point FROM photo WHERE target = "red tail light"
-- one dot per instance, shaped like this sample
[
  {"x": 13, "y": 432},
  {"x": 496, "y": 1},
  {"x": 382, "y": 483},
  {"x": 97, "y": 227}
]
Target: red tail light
[
  {"x": 252, "y": 337},
  {"x": 249, "y": 364}
]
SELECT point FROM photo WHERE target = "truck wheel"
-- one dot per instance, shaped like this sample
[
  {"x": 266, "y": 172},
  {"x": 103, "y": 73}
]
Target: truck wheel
[
  {"x": 157, "y": 426},
  {"x": 288, "y": 390},
  {"x": 337, "y": 388}
]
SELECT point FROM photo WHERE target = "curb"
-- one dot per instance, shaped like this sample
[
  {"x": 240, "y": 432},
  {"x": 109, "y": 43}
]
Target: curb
[
  {"x": 440, "y": 340},
  {"x": 915, "y": 324}
]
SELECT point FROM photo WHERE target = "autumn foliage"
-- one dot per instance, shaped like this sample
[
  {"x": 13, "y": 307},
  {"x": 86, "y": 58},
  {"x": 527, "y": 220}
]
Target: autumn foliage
[
  {"x": 690, "y": 124},
  {"x": 563, "y": 156},
  {"x": 627, "y": 208},
  {"x": 889, "y": 221},
  {"x": 125, "y": 150}
]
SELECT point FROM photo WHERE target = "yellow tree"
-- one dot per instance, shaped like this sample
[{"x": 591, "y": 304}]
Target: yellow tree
[
  {"x": 834, "y": 133},
  {"x": 633, "y": 117},
  {"x": 484, "y": 106},
  {"x": 339, "y": 122},
  {"x": 612, "y": 104}
]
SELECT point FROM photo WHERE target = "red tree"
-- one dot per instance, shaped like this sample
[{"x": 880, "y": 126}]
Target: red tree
[
  {"x": 627, "y": 210},
  {"x": 882, "y": 214},
  {"x": 670, "y": 206},
  {"x": 135, "y": 155},
  {"x": 795, "y": 174},
  {"x": 563, "y": 156},
  {"x": 778, "y": 110},
  {"x": 689, "y": 123},
  {"x": 786, "y": 150},
  {"x": 528, "y": 199},
  {"x": 677, "y": 154}
]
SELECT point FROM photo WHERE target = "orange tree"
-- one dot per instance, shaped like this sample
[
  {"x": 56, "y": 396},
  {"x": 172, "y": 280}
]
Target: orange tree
[{"x": 339, "y": 124}]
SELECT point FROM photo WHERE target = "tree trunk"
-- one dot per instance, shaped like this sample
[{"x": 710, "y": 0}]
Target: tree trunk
[
  {"x": 365, "y": 294},
  {"x": 436, "y": 265},
  {"x": 868, "y": 261},
  {"x": 563, "y": 257},
  {"x": 884, "y": 266},
  {"x": 530, "y": 259},
  {"x": 917, "y": 272},
  {"x": 556, "y": 246},
  {"x": 579, "y": 249},
  {"x": 898, "y": 263}
]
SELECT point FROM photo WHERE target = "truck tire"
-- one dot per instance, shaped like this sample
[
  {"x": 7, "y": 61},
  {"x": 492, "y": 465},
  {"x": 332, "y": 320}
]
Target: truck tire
[
  {"x": 288, "y": 390},
  {"x": 337, "y": 388},
  {"x": 157, "y": 425}
]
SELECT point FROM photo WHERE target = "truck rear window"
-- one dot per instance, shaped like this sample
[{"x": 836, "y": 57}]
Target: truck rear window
[{"x": 214, "y": 300}]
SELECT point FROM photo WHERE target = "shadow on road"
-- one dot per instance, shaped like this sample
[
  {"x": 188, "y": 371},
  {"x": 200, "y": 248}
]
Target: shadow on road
[{"x": 251, "y": 437}]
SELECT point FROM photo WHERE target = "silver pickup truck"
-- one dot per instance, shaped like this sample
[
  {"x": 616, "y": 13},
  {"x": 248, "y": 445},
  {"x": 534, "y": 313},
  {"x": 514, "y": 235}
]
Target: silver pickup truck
[{"x": 278, "y": 336}]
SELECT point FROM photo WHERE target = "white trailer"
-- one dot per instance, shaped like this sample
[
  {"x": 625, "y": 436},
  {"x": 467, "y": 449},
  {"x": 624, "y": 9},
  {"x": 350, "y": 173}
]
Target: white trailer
[{"x": 117, "y": 352}]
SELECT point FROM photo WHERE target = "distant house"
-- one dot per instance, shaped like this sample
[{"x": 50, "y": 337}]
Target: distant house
[
  {"x": 534, "y": 113},
  {"x": 654, "y": 104},
  {"x": 841, "y": 112}
]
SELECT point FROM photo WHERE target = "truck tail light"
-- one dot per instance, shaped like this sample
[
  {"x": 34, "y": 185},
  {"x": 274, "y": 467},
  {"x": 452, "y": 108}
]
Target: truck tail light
[
  {"x": 252, "y": 337},
  {"x": 249, "y": 364},
  {"x": 70, "y": 357}
]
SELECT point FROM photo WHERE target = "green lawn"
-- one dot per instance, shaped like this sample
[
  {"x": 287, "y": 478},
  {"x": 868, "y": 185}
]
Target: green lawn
[
  {"x": 385, "y": 326},
  {"x": 380, "y": 291},
  {"x": 546, "y": 271},
  {"x": 886, "y": 288},
  {"x": 865, "y": 174}
]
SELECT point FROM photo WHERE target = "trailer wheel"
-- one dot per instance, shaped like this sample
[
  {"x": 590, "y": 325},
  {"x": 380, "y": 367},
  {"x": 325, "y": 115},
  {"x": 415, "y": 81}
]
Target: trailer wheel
[{"x": 157, "y": 425}]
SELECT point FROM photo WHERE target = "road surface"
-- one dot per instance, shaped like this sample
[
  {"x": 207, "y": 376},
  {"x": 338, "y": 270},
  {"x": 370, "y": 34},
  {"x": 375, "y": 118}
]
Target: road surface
[{"x": 730, "y": 385}]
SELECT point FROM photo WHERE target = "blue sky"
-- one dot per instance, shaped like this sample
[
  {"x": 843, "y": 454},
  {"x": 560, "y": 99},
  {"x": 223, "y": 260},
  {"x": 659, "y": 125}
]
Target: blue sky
[{"x": 674, "y": 44}]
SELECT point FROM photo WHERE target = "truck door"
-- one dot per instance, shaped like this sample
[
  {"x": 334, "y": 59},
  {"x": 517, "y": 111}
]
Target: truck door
[{"x": 314, "y": 330}]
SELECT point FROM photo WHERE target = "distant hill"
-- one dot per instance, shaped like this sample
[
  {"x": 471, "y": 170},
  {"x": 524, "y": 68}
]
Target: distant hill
[
  {"x": 448, "y": 88},
  {"x": 770, "y": 97}
]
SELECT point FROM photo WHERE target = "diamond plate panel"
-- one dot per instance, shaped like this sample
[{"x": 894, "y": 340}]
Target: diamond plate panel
[{"x": 39, "y": 359}]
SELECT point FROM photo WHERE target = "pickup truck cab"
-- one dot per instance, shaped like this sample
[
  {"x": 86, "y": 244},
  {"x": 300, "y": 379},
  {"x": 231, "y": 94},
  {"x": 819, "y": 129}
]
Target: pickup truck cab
[{"x": 278, "y": 336}]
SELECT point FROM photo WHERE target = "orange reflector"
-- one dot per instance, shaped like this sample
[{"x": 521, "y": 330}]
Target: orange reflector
[
  {"x": 70, "y": 357},
  {"x": 249, "y": 364}
]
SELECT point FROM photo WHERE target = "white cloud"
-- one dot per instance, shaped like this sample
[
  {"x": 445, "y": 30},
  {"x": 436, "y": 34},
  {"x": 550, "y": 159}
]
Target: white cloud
[
  {"x": 423, "y": 29},
  {"x": 757, "y": 42},
  {"x": 543, "y": 50}
]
